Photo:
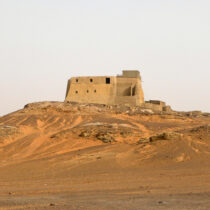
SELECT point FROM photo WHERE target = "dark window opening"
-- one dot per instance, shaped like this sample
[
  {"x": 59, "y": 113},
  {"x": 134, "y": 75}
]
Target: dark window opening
[
  {"x": 87, "y": 91},
  {"x": 76, "y": 91},
  {"x": 94, "y": 91},
  {"x": 134, "y": 91},
  {"x": 107, "y": 80},
  {"x": 77, "y": 80},
  {"x": 91, "y": 80}
]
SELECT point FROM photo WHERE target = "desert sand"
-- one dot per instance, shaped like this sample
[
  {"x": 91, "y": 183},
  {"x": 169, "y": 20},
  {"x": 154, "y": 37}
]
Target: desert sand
[{"x": 55, "y": 155}]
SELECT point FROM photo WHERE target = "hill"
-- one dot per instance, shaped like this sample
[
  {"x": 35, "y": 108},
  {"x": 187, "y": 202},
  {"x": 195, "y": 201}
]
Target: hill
[{"x": 78, "y": 156}]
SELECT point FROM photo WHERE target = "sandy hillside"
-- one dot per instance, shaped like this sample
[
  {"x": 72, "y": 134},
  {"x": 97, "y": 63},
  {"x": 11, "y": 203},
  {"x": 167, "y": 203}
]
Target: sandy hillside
[{"x": 69, "y": 156}]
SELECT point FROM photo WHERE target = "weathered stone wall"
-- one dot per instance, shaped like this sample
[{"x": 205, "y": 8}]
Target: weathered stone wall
[
  {"x": 106, "y": 90},
  {"x": 91, "y": 90},
  {"x": 124, "y": 85},
  {"x": 157, "y": 102},
  {"x": 133, "y": 73},
  {"x": 156, "y": 106}
]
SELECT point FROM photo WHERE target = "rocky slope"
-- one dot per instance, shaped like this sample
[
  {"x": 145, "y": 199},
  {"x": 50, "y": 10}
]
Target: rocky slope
[{"x": 52, "y": 148}]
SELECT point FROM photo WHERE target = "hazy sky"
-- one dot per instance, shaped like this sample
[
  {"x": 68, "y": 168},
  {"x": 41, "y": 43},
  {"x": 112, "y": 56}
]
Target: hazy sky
[{"x": 45, "y": 42}]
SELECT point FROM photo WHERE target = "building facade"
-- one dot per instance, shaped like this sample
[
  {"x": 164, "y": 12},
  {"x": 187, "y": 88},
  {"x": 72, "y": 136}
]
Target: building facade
[{"x": 114, "y": 90}]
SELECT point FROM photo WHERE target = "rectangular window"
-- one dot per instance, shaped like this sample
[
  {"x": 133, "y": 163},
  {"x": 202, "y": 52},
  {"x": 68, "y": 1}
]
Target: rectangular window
[{"x": 107, "y": 80}]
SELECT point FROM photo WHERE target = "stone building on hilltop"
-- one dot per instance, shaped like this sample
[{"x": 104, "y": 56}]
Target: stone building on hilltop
[
  {"x": 125, "y": 89},
  {"x": 109, "y": 90}
]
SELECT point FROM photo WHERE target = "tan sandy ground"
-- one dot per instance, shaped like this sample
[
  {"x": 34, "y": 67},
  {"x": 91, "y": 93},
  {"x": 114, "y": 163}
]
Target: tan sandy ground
[{"x": 66, "y": 156}]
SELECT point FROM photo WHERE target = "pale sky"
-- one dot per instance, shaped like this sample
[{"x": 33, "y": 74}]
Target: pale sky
[{"x": 45, "y": 42}]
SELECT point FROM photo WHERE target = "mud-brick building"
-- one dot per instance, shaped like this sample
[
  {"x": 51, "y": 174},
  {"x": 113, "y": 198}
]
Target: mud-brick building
[{"x": 110, "y": 90}]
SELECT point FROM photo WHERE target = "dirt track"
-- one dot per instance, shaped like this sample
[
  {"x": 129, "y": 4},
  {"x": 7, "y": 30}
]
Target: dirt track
[{"x": 56, "y": 156}]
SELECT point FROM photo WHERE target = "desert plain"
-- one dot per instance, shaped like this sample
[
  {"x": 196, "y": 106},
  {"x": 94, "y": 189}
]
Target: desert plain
[{"x": 57, "y": 155}]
